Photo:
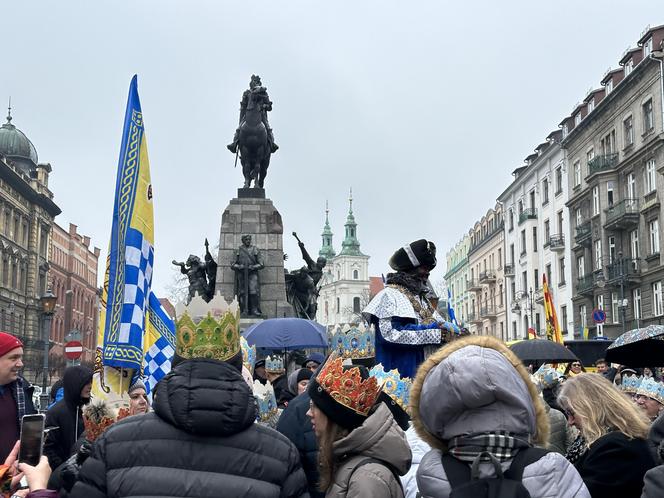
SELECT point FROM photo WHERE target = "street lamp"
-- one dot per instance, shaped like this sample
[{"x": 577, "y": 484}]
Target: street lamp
[{"x": 48, "y": 301}]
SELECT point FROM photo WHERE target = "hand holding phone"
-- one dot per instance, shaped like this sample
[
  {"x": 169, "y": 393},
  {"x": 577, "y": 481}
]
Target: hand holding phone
[{"x": 32, "y": 439}]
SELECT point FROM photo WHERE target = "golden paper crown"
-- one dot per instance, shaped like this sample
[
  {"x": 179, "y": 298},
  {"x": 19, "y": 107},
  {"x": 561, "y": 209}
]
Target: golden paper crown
[
  {"x": 208, "y": 330},
  {"x": 347, "y": 387}
]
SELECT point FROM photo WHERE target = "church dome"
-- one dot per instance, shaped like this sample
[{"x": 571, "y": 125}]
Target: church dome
[{"x": 16, "y": 146}]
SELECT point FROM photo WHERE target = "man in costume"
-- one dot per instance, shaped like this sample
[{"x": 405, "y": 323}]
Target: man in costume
[{"x": 403, "y": 318}]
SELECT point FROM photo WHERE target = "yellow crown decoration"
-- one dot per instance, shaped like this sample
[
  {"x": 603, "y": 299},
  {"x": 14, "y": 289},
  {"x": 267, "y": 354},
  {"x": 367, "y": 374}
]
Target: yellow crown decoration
[{"x": 208, "y": 330}]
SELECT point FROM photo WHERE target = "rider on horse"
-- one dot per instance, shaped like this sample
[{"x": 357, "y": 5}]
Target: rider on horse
[{"x": 255, "y": 87}]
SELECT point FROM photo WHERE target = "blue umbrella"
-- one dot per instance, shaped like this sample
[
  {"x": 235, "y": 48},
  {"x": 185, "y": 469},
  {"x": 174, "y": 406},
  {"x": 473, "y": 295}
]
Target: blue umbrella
[{"x": 287, "y": 333}]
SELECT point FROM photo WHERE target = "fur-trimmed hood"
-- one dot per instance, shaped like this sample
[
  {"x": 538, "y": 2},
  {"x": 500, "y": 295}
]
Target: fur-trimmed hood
[{"x": 472, "y": 385}]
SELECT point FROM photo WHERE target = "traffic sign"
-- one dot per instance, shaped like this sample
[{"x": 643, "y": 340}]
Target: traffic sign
[
  {"x": 599, "y": 316},
  {"x": 73, "y": 350}
]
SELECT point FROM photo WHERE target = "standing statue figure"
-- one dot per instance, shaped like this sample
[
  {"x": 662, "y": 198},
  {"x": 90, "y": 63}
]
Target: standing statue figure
[
  {"x": 254, "y": 140},
  {"x": 202, "y": 277},
  {"x": 248, "y": 262},
  {"x": 302, "y": 285}
]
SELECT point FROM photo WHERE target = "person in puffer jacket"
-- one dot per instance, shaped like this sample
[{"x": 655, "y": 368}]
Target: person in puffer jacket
[{"x": 470, "y": 389}]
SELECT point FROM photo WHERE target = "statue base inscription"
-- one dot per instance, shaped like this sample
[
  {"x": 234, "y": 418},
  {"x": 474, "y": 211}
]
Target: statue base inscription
[{"x": 252, "y": 214}]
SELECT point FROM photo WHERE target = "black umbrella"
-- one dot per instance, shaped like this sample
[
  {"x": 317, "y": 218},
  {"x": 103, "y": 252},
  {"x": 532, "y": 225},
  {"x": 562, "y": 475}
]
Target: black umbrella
[
  {"x": 642, "y": 347},
  {"x": 542, "y": 350}
]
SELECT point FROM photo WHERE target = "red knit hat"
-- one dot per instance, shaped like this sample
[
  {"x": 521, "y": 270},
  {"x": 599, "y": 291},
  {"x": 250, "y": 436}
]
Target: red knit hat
[{"x": 8, "y": 342}]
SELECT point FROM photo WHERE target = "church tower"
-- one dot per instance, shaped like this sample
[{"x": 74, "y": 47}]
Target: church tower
[
  {"x": 327, "y": 250},
  {"x": 350, "y": 246}
]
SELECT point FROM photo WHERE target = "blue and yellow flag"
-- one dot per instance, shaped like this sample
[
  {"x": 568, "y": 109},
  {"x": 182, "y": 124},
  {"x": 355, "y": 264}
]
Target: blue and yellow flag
[
  {"x": 131, "y": 252},
  {"x": 159, "y": 344}
]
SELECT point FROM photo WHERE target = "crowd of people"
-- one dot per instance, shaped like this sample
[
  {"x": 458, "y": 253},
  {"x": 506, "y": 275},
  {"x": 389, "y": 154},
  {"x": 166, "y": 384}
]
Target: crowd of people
[{"x": 469, "y": 419}]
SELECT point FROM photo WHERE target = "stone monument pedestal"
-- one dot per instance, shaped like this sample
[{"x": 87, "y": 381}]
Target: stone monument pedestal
[{"x": 251, "y": 213}]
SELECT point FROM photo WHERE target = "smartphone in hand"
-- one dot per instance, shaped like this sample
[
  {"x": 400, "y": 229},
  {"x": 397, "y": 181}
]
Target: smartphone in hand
[{"x": 32, "y": 439}]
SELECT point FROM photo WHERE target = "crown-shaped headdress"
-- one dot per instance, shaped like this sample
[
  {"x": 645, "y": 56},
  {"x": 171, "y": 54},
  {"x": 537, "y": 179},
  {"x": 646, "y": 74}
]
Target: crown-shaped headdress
[
  {"x": 630, "y": 383},
  {"x": 208, "y": 330},
  {"x": 347, "y": 387},
  {"x": 266, "y": 400},
  {"x": 546, "y": 376},
  {"x": 651, "y": 388},
  {"x": 394, "y": 385},
  {"x": 354, "y": 342},
  {"x": 274, "y": 364},
  {"x": 248, "y": 354}
]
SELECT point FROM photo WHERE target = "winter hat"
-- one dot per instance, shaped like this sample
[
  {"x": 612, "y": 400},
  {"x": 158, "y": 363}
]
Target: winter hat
[
  {"x": 8, "y": 342},
  {"x": 304, "y": 374},
  {"x": 138, "y": 384},
  {"x": 419, "y": 253},
  {"x": 345, "y": 394},
  {"x": 315, "y": 357}
]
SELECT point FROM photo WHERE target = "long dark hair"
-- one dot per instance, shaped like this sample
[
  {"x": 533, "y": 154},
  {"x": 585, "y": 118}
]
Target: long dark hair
[{"x": 326, "y": 461}]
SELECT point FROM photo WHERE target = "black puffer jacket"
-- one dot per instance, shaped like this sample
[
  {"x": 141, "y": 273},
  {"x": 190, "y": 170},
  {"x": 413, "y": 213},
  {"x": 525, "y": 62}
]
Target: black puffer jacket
[
  {"x": 296, "y": 426},
  {"x": 201, "y": 441},
  {"x": 67, "y": 416}
]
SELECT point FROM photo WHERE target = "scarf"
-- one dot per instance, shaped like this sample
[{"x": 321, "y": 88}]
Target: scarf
[
  {"x": 19, "y": 396},
  {"x": 502, "y": 445},
  {"x": 577, "y": 449},
  {"x": 412, "y": 283}
]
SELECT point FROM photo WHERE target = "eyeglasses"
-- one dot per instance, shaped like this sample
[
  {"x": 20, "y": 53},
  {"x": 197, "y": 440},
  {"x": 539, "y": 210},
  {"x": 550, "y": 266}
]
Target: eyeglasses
[
  {"x": 576, "y": 364},
  {"x": 568, "y": 412}
]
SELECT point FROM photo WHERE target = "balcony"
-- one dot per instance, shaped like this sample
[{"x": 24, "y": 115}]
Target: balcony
[
  {"x": 528, "y": 214},
  {"x": 602, "y": 163},
  {"x": 583, "y": 234},
  {"x": 625, "y": 271},
  {"x": 509, "y": 270},
  {"x": 474, "y": 318},
  {"x": 585, "y": 285},
  {"x": 473, "y": 285},
  {"x": 538, "y": 295},
  {"x": 488, "y": 312},
  {"x": 557, "y": 242},
  {"x": 623, "y": 215},
  {"x": 487, "y": 277},
  {"x": 516, "y": 307}
]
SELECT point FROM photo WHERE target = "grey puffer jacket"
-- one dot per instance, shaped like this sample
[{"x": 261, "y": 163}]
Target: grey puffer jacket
[
  {"x": 378, "y": 437},
  {"x": 476, "y": 385},
  {"x": 559, "y": 439}
]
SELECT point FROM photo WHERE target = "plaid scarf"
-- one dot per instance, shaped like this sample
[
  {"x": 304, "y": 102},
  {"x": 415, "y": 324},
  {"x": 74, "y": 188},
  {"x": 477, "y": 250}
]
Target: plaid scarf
[
  {"x": 19, "y": 396},
  {"x": 502, "y": 445}
]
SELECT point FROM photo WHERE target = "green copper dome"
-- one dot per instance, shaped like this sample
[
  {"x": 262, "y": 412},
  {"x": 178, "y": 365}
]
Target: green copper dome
[
  {"x": 16, "y": 146},
  {"x": 327, "y": 251},
  {"x": 351, "y": 246}
]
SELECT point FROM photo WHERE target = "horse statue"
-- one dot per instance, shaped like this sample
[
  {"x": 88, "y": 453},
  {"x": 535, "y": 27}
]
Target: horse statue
[{"x": 253, "y": 144}]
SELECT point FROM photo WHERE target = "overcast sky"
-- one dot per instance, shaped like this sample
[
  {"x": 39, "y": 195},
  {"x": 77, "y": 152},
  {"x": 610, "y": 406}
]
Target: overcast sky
[{"x": 424, "y": 108}]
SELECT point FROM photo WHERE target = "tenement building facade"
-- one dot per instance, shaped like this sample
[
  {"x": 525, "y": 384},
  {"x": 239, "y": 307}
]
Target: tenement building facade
[
  {"x": 536, "y": 222},
  {"x": 26, "y": 218},
  {"x": 456, "y": 278},
  {"x": 615, "y": 160}
]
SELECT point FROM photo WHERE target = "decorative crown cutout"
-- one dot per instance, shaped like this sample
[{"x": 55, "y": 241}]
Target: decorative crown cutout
[
  {"x": 274, "y": 364},
  {"x": 248, "y": 354},
  {"x": 651, "y": 388},
  {"x": 630, "y": 383},
  {"x": 354, "y": 342},
  {"x": 208, "y": 330},
  {"x": 347, "y": 387},
  {"x": 394, "y": 385},
  {"x": 266, "y": 400}
]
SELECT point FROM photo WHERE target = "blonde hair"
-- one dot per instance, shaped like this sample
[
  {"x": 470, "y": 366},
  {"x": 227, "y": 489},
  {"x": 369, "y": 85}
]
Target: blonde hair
[{"x": 600, "y": 408}]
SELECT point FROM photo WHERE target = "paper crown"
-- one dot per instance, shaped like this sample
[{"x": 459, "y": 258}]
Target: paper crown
[
  {"x": 354, "y": 342},
  {"x": 651, "y": 388},
  {"x": 394, "y": 385},
  {"x": 547, "y": 376},
  {"x": 630, "y": 383},
  {"x": 208, "y": 330},
  {"x": 266, "y": 400},
  {"x": 347, "y": 387},
  {"x": 274, "y": 364},
  {"x": 248, "y": 354}
]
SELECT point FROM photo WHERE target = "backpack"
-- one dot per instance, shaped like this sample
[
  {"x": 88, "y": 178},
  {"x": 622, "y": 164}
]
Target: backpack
[{"x": 467, "y": 483}]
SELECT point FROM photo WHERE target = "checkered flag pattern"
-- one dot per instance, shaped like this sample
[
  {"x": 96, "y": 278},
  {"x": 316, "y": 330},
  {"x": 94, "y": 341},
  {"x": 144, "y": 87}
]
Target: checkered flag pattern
[
  {"x": 139, "y": 257},
  {"x": 157, "y": 362}
]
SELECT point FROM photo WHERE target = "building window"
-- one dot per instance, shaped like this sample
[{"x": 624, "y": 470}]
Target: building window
[
  {"x": 547, "y": 232},
  {"x": 545, "y": 191},
  {"x": 653, "y": 229},
  {"x": 583, "y": 316},
  {"x": 657, "y": 303},
  {"x": 563, "y": 318},
  {"x": 581, "y": 266},
  {"x": 608, "y": 143},
  {"x": 591, "y": 105},
  {"x": 577, "y": 173},
  {"x": 510, "y": 217},
  {"x": 356, "y": 305},
  {"x": 547, "y": 270},
  {"x": 598, "y": 255},
  {"x": 628, "y": 131},
  {"x": 609, "y": 193},
  {"x": 631, "y": 186},
  {"x": 595, "y": 200},
  {"x": 629, "y": 65},
  {"x": 500, "y": 258},
  {"x": 534, "y": 239},
  {"x": 523, "y": 242},
  {"x": 560, "y": 223},
  {"x": 559, "y": 180},
  {"x": 579, "y": 217},
  {"x": 501, "y": 295},
  {"x": 634, "y": 244},
  {"x": 647, "y": 47},
  {"x": 577, "y": 119},
  {"x": 650, "y": 178},
  {"x": 590, "y": 155},
  {"x": 512, "y": 254},
  {"x": 648, "y": 116},
  {"x": 520, "y": 209},
  {"x": 524, "y": 281},
  {"x": 338, "y": 305},
  {"x": 609, "y": 86},
  {"x": 636, "y": 298},
  {"x": 561, "y": 271},
  {"x": 612, "y": 249},
  {"x": 513, "y": 330},
  {"x": 356, "y": 275},
  {"x": 536, "y": 279},
  {"x": 614, "y": 307}
]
